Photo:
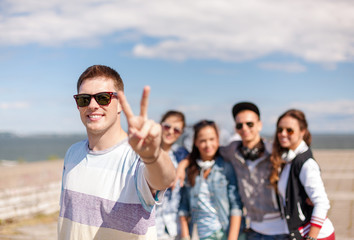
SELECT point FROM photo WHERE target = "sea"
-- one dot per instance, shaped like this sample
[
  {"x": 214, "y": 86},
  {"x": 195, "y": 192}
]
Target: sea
[
  {"x": 54, "y": 146},
  {"x": 32, "y": 148}
]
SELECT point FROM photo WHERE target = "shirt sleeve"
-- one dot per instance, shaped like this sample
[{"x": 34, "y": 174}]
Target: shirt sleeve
[
  {"x": 310, "y": 177},
  {"x": 183, "y": 209},
  {"x": 233, "y": 194},
  {"x": 146, "y": 197}
]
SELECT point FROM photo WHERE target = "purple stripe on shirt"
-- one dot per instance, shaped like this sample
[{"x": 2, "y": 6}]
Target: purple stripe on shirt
[{"x": 100, "y": 212}]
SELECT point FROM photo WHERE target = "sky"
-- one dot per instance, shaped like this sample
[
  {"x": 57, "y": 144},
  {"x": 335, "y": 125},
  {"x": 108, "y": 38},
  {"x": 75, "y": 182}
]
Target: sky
[{"x": 200, "y": 57}]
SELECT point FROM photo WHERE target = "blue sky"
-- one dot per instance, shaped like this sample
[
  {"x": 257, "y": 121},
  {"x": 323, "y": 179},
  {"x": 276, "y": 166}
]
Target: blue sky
[{"x": 198, "y": 56}]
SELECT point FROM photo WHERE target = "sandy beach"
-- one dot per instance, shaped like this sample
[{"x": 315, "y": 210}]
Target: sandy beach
[{"x": 337, "y": 171}]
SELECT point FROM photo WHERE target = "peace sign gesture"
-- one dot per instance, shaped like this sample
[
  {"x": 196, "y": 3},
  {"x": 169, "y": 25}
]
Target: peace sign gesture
[{"x": 144, "y": 134}]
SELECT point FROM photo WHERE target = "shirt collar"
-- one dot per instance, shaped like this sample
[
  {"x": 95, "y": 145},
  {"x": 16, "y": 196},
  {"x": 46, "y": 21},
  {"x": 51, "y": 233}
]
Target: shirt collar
[{"x": 291, "y": 154}]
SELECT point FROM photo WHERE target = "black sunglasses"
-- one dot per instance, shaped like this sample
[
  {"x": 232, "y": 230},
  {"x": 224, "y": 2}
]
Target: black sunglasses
[
  {"x": 289, "y": 131},
  {"x": 102, "y": 98},
  {"x": 240, "y": 125},
  {"x": 167, "y": 127}
]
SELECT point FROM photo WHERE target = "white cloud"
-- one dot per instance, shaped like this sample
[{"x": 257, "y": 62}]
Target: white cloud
[{"x": 318, "y": 31}]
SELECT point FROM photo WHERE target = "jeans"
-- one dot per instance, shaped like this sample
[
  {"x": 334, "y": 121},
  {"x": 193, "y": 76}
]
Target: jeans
[{"x": 252, "y": 235}]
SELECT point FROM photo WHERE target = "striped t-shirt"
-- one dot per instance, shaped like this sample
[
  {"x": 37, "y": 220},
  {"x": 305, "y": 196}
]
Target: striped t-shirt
[{"x": 105, "y": 195}]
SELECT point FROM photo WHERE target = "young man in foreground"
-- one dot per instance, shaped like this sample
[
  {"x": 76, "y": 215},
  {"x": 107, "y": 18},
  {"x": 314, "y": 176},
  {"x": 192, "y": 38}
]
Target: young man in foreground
[{"x": 111, "y": 180}]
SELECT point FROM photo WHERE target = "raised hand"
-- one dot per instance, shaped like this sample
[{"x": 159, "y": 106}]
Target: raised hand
[{"x": 144, "y": 134}]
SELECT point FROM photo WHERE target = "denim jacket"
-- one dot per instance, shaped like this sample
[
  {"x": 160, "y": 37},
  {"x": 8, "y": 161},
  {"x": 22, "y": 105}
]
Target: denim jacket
[{"x": 222, "y": 184}]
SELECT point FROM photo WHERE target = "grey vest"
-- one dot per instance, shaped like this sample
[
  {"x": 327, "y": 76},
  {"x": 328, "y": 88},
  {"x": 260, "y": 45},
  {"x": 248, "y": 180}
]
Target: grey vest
[{"x": 257, "y": 195}]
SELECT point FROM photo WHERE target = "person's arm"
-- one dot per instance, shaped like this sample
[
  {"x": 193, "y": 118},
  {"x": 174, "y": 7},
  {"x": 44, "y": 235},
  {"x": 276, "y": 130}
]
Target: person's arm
[
  {"x": 181, "y": 173},
  {"x": 310, "y": 178},
  {"x": 159, "y": 173},
  {"x": 184, "y": 227},
  {"x": 145, "y": 139},
  {"x": 314, "y": 231},
  {"x": 235, "y": 224},
  {"x": 234, "y": 200},
  {"x": 184, "y": 212}
]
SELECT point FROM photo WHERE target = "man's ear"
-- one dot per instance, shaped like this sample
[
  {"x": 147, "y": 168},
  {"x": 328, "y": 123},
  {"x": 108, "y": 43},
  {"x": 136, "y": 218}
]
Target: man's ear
[
  {"x": 260, "y": 125},
  {"x": 119, "y": 108}
]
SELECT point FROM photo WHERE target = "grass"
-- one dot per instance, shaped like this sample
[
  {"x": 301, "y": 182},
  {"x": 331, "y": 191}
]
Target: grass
[{"x": 9, "y": 227}]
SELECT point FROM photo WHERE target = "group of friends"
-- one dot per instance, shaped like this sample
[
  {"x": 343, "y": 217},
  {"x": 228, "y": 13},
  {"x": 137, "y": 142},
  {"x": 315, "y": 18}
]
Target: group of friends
[{"x": 140, "y": 184}]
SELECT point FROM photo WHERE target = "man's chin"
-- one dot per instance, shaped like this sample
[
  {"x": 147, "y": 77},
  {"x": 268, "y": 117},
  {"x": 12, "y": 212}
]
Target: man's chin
[{"x": 93, "y": 129}]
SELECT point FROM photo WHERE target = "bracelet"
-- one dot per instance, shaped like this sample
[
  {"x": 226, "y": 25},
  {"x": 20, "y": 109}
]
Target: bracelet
[
  {"x": 147, "y": 163},
  {"x": 311, "y": 238}
]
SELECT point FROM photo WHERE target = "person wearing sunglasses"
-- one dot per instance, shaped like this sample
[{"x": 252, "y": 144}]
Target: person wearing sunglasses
[
  {"x": 167, "y": 222},
  {"x": 297, "y": 178},
  {"x": 250, "y": 158},
  {"x": 112, "y": 180}
]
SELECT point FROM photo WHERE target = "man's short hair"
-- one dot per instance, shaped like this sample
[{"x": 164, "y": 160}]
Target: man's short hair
[
  {"x": 101, "y": 71},
  {"x": 241, "y": 106}
]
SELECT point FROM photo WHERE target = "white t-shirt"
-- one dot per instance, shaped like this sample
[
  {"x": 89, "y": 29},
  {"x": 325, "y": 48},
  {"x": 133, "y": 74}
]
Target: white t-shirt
[{"x": 105, "y": 195}]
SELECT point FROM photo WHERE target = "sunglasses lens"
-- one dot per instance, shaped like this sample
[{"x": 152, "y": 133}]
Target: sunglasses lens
[
  {"x": 177, "y": 131},
  {"x": 240, "y": 125},
  {"x": 103, "y": 98},
  {"x": 250, "y": 124},
  {"x": 289, "y": 131},
  {"x": 166, "y": 126},
  {"x": 83, "y": 100}
]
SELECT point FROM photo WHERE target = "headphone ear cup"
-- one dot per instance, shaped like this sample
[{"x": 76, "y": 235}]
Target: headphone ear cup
[
  {"x": 254, "y": 153},
  {"x": 245, "y": 151},
  {"x": 251, "y": 154}
]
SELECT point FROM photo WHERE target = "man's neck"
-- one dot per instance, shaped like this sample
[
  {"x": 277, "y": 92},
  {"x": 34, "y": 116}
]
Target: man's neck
[
  {"x": 105, "y": 140},
  {"x": 251, "y": 144}
]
